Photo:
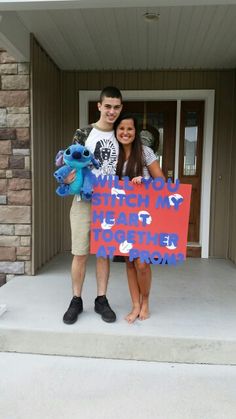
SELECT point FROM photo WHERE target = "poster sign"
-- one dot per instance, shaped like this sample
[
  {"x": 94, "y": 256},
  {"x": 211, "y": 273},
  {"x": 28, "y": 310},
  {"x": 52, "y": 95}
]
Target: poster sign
[{"x": 149, "y": 221}]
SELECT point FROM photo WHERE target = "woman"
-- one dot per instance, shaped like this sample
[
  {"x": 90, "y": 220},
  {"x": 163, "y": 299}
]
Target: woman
[{"x": 136, "y": 161}]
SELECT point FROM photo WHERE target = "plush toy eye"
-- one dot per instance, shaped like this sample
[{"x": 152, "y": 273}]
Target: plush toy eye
[
  {"x": 67, "y": 152},
  {"x": 86, "y": 153}
]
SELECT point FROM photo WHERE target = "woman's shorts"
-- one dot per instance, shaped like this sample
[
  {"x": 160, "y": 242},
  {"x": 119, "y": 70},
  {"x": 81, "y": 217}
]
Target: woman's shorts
[{"x": 80, "y": 222}]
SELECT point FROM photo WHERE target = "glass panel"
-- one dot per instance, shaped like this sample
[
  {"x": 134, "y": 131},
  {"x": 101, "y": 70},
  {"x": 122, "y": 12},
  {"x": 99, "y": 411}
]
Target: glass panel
[
  {"x": 190, "y": 144},
  {"x": 152, "y": 132}
]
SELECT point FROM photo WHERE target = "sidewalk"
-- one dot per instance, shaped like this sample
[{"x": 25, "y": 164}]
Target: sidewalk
[{"x": 50, "y": 387}]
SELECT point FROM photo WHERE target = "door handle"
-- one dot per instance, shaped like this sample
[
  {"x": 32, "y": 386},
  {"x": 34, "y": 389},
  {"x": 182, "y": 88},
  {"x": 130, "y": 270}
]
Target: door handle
[{"x": 170, "y": 174}]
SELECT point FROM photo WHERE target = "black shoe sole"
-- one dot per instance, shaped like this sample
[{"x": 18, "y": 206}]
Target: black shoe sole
[{"x": 70, "y": 321}]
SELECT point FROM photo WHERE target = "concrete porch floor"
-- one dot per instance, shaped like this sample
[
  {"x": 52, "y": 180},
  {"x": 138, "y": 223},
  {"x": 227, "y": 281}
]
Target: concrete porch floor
[{"x": 193, "y": 314}]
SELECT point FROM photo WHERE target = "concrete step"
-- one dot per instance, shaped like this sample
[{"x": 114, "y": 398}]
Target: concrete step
[{"x": 193, "y": 315}]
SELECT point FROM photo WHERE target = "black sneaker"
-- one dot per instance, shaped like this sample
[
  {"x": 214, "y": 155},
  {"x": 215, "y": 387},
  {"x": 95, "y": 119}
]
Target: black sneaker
[
  {"x": 102, "y": 307},
  {"x": 74, "y": 309}
]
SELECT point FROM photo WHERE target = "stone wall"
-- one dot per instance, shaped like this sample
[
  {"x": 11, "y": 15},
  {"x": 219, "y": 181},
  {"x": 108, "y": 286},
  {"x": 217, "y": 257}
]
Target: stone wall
[{"x": 15, "y": 170}]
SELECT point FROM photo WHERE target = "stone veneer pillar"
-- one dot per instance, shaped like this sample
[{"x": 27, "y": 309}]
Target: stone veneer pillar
[{"x": 15, "y": 170}]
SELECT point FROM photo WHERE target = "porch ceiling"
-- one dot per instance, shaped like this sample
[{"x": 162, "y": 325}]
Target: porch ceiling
[{"x": 90, "y": 36}]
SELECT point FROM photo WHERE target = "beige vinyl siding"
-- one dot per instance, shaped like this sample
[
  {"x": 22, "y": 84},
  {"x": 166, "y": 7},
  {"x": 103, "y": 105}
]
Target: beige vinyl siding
[
  {"x": 46, "y": 140},
  {"x": 222, "y": 82}
]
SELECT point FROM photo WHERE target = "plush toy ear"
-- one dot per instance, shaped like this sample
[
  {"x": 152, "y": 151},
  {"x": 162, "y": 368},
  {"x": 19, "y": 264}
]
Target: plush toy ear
[{"x": 59, "y": 158}]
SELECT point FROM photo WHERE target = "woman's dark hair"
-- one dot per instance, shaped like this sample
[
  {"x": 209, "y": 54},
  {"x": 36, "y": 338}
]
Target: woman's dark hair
[{"x": 135, "y": 162}]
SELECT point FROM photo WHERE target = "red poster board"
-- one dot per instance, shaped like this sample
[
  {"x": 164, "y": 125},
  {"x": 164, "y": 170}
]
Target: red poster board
[{"x": 149, "y": 221}]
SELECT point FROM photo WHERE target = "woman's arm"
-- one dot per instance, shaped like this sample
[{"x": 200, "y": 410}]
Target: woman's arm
[{"x": 155, "y": 170}]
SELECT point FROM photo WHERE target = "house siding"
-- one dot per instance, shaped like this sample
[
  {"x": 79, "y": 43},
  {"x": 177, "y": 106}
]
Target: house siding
[
  {"x": 46, "y": 140},
  {"x": 232, "y": 218}
]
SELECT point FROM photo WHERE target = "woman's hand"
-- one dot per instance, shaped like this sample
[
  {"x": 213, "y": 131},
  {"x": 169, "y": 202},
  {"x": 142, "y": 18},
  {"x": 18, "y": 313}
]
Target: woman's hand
[{"x": 137, "y": 180}]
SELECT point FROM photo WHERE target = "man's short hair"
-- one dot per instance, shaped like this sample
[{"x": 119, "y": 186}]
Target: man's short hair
[{"x": 110, "y": 91}]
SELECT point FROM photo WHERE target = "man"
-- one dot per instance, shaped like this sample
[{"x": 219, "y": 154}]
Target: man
[{"x": 101, "y": 141}]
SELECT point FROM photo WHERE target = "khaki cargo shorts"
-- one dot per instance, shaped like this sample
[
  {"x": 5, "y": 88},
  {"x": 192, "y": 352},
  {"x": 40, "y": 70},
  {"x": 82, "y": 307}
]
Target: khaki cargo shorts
[{"x": 80, "y": 222}]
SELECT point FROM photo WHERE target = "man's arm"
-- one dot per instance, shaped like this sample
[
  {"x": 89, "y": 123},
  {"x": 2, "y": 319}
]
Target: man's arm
[{"x": 81, "y": 135}]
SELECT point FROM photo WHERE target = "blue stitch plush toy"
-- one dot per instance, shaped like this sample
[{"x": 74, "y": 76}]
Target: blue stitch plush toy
[{"x": 78, "y": 158}]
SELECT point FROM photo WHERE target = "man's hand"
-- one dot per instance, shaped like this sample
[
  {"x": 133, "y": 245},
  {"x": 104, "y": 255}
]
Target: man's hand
[{"x": 70, "y": 178}]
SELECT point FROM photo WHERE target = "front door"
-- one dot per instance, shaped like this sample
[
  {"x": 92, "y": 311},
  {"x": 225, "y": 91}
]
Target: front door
[{"x": 157, "y": 122}]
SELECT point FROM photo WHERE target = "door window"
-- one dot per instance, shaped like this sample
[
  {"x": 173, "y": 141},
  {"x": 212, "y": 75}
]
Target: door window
[{"x": 190, "y": 144}]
